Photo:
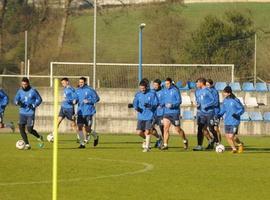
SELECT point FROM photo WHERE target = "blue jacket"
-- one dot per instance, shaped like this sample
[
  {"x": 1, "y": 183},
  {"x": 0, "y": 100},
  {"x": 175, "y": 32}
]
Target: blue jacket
[
  {"x": 89, "y": 94},
  {"x": 28, "y": 100},
  {"x": 3, "y": 100},
  {"x": 216, "y": 99},
  {"x": 69, "y": 97},
  {"x": 146, "y": 104},
  {"x": 205, "y": 102},
  {"x": 160, "y": 107},
  {"x": 232, "y": 108},
  {"x": 171, "y": 100}
]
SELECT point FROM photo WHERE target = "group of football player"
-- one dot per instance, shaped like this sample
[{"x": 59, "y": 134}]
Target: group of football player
[{"x": 159, "y": 108}]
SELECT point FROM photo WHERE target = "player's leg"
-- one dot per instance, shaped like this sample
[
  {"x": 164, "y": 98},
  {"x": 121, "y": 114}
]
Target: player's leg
[
  {"x": 22, "y": 123},
  {"x": 201, "y": 124},
  {"x": 175, "y": 120},
  {"x": 218, "y": 132},
  {"x": 6, "y": 125},
  {"x": 157, "y": 132},
  {"x": 210, "y": 139},
  {"x": 230, "y": 140},
  {"x": 229, "y": 133},
  {"x": 31, "y": 130},
  {"x": 211, "y": 124},
  {"x": 181, "y": 132},
  {"x": 167, "y": 125},
  {"x": 80, "y": 125},
  {"x": 91, "y": 132},
  {"x": 61, "y": 116},
  {"x": 140, "y": 131},
  {"x": 147, "y": 127},
  {"x": 237, "y": 141}
]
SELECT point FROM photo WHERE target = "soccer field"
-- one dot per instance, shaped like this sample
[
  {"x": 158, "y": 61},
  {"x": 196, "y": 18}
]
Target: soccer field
[{"x": 117, "y": 169}]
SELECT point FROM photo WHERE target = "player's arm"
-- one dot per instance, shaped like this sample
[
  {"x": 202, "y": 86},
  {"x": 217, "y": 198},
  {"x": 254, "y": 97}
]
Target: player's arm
[
  {"x": 17, "y": 99},
  {"x": 136, "y": 104},
  {"x": 210, "y": 100},
  {"x": 178, "y": 100},
  {"x": 69, "y": 96},
  {"x": 92, "y": 98},
  {"x": 239, "y": 108},
  {"x": 38, "y": 99},
  {"x": 222, "y": 110},
  {"x": 4, "y": 98}
]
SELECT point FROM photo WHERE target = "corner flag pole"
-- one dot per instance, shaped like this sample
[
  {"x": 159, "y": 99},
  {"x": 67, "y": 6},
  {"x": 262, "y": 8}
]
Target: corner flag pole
[{"x": 55, "y": 142}]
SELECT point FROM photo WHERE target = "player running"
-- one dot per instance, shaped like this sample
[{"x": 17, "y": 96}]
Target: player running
[
  {"x": 28, "y": 99},
  {"x": 86, "y": 98},
  {"x": 3, "y": 104},
  {"x": 205, "y": 112},
  {"x": 158, "y": 128},
  {"x": 67, "y": 106},
  {"x": 232, "y": 108},
  {"x": 171, "y": 102},
  {"x": 145, "y": 103}
]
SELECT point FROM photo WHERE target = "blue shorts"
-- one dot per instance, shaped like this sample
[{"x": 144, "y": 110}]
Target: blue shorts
[
  {"x": 174, "y": 119},
  {"x": 67, "y": 113},
  {"x": 230, "y": 129},
  {"x": 143, "y": 125},
  {"x": 158, "y": 120},
  {"x": 27, "y": 120},
  {"x": 84, "y": 120},
  {"x": 205, "y": 119}
]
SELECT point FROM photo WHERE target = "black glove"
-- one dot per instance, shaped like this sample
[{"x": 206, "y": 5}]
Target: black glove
[
  {"x": 130, "y": 105},
  {"x": 22, "y": 105},
  {"x": 235, "y": 116},
  {"x": 147, "y": 105},
  {"x": 139, "y": 110},
  {"x": 31, "y": 106}
]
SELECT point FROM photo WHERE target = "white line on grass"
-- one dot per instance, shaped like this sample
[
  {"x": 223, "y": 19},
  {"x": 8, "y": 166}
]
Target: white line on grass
[{"x": 147, "y": 167}]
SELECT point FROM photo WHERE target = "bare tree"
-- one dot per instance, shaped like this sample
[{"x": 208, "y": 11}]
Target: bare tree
[
  {"x": 3, "y": 12},
  {"x": 63, "y": 26}
]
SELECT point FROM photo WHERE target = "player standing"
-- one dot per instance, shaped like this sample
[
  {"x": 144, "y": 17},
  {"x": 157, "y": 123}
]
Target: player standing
[
  {"x": 232, "y": 108},
  {"x": 171, "y": 101},
  {"x": 86, "y": 98},
  {"x": 158, "y": 129},
  {"x": 205, "y": 112},
  {"x": 28, "y": 99},
  {"x": 3, "y": 104},
  {"x": 215, "y": 121},
  {"x": 145, "y": 103}
]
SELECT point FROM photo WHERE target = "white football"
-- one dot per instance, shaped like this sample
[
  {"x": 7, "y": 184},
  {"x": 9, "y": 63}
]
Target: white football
[
  {"x": 50, "y": 137},
  {"x": 220, "y": 148},
  {"x": 20, "y": 144}
]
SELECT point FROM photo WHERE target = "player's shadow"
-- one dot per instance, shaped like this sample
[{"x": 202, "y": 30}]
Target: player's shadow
[{"x": 257, "y": 150}]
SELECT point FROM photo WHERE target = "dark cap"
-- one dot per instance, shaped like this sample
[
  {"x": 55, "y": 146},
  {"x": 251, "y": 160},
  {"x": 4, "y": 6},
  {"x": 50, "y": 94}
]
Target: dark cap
[{"x": 227, "y": 89}]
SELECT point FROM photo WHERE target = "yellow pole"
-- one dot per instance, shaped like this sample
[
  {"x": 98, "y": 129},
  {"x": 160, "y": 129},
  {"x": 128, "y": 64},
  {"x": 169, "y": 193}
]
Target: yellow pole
[{"x": 55, "y": 140}]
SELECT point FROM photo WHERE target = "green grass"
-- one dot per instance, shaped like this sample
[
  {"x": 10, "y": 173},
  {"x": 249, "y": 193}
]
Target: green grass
[
  {"x": 117, "y": 31},
  {"x": 106, "y": 172},
  {"x": 11, "y": 114}
]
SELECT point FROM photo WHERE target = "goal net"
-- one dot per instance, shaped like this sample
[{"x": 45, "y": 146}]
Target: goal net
[{"x": 120, "y": 75}]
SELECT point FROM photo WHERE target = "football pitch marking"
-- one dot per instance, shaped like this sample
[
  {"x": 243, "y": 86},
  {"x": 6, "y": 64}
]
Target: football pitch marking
[{"x": 147, "y": 167}]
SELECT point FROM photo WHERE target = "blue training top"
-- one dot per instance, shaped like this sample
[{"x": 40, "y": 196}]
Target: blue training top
[{"x": 28, "y": 100}]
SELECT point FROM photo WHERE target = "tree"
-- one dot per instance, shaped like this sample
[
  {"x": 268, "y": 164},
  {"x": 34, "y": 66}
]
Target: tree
[
  {"x": 168, "y": 25},
  {"x": 63, "y": 26},
  {"x": 3, "y": 12},
  {"x": 223, "y": 41}
]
